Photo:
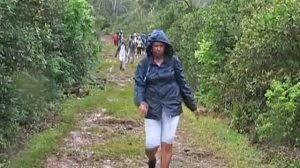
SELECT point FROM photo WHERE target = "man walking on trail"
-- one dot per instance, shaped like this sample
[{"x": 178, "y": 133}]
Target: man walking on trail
[
  {"x": 122, "y": 55},
  {"x": 160, "y": 87},
  {"x": 120, "y": 37},
  {"x": 132, "y": 48}
]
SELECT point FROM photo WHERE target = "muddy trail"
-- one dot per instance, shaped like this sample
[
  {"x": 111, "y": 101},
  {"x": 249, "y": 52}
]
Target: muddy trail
[{"x": 98, "y": 129}]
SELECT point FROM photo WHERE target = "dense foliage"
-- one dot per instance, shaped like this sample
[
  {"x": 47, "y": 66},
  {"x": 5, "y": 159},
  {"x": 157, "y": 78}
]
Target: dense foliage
[
  {"x": 45, "y": 46},
  {"x": 243, "y": 59}
]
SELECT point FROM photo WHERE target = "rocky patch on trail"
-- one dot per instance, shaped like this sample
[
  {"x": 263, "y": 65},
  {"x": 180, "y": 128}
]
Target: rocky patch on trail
[
  {"x": 74, "y": 151},
  {"x": 120, "y": 81}
]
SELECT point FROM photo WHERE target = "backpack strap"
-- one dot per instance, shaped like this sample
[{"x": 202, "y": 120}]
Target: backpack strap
[{"x": 147, "y": 69}]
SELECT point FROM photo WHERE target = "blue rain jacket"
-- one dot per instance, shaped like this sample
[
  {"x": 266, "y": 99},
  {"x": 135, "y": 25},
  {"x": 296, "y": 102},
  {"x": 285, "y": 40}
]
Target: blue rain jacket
[{"x": 162, "y": 87}]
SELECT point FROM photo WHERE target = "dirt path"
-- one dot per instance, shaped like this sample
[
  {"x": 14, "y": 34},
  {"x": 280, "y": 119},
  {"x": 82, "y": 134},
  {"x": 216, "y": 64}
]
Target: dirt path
[
  {"x": 98, "y": 128},
  {"x": 187, "y": 155}
]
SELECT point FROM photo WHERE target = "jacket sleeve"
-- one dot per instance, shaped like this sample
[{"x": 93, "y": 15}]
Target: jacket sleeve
[
  {"x": 185, "y": 90},
  {"x": 140, "y": 83}
]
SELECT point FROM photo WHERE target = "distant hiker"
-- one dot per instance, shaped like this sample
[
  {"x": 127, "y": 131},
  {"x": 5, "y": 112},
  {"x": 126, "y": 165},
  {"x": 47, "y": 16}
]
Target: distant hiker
[
  {"x": 132, "y": 48},
  {"x": 120, "y": 37},
  {"x": 122, "y": 55},
  {"x": 144, "y": 40},
  {"x": 129, "y": 39},
  {"x": 115, "y": 39},
  {"x": 139, "y": 46},
  {"x": 160, "y": 85}
]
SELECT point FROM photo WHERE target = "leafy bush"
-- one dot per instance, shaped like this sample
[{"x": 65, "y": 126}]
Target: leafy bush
[
  {"x": 232, "y": 51},
  {"x": 46, "y": 45},
  {"x": 281, "y": 122},
  {"x": 268, "y": 50}
]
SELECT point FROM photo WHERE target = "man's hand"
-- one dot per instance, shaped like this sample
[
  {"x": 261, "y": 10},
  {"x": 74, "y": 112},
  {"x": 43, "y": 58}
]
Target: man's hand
[
  {"x": 201, "y": 111},
  {"x": 143, "y": 109}
]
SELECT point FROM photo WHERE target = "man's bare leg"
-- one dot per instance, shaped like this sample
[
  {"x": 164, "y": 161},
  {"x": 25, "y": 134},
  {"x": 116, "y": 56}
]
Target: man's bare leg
[
  {"x": 151, "y": 154},
  {"x": 166, "y": 155}
]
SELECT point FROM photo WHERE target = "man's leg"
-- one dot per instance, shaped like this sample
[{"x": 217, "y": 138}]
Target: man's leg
[
  {"x": 169, "y": 127},
  {"x": 153, "y": 139},
  {"x": 123, "y": 65},
  {"x": 166, "y": 154},
  {"x": 132, "y": 56}
]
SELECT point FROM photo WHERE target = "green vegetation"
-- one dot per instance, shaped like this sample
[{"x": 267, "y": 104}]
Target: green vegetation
[
  {"x": 46, "y": 46},
  {"x": 117, "y": 102},
  {"x": 237, "y": 49},
  {"x": 46, "y": 142},
  {"x": 214, "y": 135}
]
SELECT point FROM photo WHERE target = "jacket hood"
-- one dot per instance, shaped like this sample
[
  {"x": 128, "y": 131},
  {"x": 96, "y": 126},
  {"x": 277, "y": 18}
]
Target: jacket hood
[{"x": 159, "y": 35}]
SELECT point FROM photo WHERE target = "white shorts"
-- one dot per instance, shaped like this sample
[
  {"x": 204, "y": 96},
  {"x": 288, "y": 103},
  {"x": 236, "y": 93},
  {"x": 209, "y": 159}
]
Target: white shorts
[{"x": 160, "y": 131}]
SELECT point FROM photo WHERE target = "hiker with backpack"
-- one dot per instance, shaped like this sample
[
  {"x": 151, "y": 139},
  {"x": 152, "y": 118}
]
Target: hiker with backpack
[
  {"x": 160, "y": 87},
  {"x": 122, "y": 55},
  {"x": 139, "y": 46}
]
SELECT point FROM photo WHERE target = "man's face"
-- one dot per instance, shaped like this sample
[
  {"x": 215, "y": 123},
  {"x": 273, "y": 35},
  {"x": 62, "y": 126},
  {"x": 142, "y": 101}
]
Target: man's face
[{"x": 158, "y": 49}]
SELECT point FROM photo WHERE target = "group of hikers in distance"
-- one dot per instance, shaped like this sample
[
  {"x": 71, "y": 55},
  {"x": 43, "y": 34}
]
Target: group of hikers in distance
[{"x": 127, "y": 52}]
